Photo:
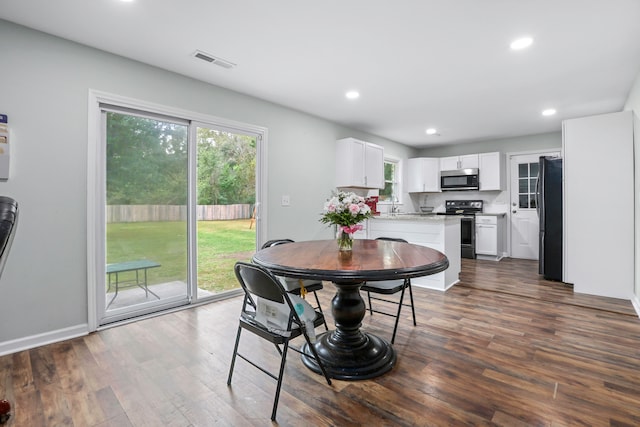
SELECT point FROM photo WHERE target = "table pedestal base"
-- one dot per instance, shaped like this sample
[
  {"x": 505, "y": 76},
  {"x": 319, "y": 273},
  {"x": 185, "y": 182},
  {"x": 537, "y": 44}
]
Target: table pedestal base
[{"x": 368, "y": 357}]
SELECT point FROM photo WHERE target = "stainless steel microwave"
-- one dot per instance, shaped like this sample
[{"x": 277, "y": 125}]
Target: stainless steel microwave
[{"x": 461, "y": 179}]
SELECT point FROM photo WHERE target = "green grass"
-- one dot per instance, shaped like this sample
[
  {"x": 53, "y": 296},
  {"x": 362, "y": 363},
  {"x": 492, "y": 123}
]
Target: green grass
[{"x": 220, "y": 245}]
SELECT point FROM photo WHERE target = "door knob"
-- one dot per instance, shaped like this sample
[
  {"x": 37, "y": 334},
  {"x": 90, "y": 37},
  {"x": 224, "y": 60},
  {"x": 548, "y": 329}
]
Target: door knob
[{"x": 514, "y": 211}]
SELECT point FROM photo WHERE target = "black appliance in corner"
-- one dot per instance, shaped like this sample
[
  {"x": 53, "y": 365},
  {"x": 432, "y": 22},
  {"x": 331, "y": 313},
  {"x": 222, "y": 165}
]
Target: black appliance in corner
[{"x": 549, "y": 202}]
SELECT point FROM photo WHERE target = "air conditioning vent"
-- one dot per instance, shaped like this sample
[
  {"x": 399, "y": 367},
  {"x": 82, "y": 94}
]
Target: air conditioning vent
[
  {"x": 204, "y": 57},
  {"x": 213, "y": 59}
]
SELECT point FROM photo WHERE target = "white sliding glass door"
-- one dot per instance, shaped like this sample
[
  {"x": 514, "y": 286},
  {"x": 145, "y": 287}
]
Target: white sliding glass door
[{"x": 174, "y": 201}]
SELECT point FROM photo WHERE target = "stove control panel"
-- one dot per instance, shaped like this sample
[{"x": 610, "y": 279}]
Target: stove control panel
[{"x": 465, "y": 205}]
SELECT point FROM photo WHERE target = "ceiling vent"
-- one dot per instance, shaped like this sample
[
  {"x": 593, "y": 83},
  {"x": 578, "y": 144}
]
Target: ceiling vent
[{"x": 213, "y": 59}]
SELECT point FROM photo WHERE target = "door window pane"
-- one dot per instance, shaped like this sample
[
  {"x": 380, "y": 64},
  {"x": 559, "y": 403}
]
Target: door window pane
[
  {"x": 523, "y": 185},
  {"x": 226, "y": 200},
  {"x": 523, "y": 201},
  {"x": 528, "y": 177},
  {"x": 146, "y": 198},
  {"x": 523, "y": 170}
]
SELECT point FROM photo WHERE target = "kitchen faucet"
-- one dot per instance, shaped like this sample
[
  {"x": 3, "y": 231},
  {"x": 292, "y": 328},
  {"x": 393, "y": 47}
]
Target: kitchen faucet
[{"x": 394, "y": 208}]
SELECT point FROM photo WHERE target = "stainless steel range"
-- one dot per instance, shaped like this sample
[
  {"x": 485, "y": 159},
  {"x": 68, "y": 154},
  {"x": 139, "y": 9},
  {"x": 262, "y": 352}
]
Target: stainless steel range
[{"x": 468, "y": 209}]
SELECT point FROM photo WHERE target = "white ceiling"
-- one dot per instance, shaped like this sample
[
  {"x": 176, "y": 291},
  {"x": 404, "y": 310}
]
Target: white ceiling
[{"x": 417, "y": 63}]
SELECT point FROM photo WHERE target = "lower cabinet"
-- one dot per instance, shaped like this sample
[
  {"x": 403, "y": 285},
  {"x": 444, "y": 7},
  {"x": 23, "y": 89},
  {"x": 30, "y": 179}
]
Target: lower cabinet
[
  {"x": 489, "y": 236},
  {"x": 441, "y": 233}
]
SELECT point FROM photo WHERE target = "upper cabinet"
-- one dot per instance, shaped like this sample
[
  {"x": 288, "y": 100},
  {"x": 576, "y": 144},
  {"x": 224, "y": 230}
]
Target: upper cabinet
[
  {"x": 459, "y": 162},
  {"x": 359, "y": 164},
  {"x": 491, "y": 167},
  {"x": 423, "y": 175}
]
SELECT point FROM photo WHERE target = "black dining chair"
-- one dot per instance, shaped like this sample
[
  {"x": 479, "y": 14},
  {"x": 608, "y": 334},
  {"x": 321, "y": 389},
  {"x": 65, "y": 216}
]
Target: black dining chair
[
  {"x": 8, "y": 225},
  {"x": 258, "y": 283},
  {"x": 295, "y": 285},
  {"x": 390, "y": 287}
]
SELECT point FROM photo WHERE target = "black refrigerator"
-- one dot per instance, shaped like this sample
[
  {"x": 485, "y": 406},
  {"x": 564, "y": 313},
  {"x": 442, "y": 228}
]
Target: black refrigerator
[{"x": 550, "y": 213}]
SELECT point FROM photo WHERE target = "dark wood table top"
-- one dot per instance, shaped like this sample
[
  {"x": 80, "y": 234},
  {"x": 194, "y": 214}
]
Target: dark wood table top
[{"x": 369, "y": 260}]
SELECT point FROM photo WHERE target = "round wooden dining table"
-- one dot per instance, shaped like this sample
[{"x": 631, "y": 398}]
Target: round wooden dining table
[{"x": 348, "y": 353}]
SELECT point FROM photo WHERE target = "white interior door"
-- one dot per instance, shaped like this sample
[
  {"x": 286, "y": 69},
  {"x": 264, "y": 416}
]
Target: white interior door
[{"x": 525, "y": 224}]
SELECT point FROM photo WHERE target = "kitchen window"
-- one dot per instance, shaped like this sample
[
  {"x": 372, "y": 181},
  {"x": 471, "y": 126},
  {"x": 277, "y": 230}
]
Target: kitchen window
[{"x": 391, "y": 181}]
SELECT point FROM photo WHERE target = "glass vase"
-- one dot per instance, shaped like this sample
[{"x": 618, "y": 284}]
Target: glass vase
[{"x": 345, "y": 241}]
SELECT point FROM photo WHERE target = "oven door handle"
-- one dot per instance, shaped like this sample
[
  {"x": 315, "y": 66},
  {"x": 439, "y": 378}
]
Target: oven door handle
[{"x": 473, "y": 233}]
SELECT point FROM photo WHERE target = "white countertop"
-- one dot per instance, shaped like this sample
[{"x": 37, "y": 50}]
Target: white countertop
[
  {"x": 430, "y": 216},
  {"x": 417, "y": 217}
]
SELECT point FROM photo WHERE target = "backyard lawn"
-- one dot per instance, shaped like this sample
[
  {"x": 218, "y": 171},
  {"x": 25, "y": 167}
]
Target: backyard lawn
[{"x": 220, "y": 245}]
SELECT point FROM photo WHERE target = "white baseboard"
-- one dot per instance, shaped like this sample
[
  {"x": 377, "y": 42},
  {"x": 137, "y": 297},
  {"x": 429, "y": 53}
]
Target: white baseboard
[
  {"x": 636, "y": 304},
  {"x": 26, "y": 343},
  {"x": 435, "y": 288}
]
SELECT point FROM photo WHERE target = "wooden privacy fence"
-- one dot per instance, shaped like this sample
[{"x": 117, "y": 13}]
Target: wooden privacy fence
[{"x": 148, "y": 213}]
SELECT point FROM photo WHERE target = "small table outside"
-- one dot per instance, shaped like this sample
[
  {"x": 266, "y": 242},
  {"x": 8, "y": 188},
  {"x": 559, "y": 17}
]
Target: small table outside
[
  {"x": 121, "y": 267},
  {"x": 348, "y": 353}
]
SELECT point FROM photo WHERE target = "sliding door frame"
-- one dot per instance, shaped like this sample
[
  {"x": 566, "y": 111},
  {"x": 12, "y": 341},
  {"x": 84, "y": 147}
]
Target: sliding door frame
[{"x": 96, "y": 187}]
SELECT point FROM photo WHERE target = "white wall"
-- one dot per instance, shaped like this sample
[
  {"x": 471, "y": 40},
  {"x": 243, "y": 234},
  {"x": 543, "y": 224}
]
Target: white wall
[
  {"x": 633, "y": 104},
  {"x": 543, "y": 141},
  {"x": 44, "y": 85}
]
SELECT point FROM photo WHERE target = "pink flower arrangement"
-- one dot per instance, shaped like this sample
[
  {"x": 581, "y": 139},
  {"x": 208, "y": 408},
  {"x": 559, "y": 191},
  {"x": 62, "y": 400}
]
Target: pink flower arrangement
[{"x": 346, "y": 210}]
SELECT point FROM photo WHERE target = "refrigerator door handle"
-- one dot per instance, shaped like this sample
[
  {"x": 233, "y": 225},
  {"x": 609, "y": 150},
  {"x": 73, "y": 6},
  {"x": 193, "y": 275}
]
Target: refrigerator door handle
[{"x": 538, "y": 198}]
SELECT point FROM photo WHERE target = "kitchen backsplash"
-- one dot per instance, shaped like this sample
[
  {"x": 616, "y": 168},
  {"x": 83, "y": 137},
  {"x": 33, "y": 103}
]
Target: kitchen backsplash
[{"x": 494, "y": 201}]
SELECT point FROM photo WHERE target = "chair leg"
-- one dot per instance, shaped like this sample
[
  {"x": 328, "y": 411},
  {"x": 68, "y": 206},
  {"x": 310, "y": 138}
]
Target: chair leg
[
  {"x": 413, "y": 310},
  {"x": 233, "y": 358},
  {"x": 315, "y": 294},
  {"x": 314, "y": 353},
  {"x": 279, "y": 386},
  {"x": 395, "y": 327}
]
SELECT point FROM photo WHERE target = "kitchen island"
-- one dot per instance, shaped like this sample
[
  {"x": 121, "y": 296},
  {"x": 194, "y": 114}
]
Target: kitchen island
[{"x": 439, "y": 232}]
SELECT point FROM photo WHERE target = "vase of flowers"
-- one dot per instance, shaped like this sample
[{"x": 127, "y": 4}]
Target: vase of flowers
[{"x": 346, "y": 211}]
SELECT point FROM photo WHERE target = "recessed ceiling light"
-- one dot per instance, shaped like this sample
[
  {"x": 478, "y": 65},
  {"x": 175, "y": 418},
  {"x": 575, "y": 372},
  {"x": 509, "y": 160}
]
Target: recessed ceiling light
[
  {"x": 521, "y": 43},
  {"x": 548, "y": 112},
  {"x": 352, "y": 94},
  {"x": 126, "y": 1},
  {"x": 432, "y": 131}
]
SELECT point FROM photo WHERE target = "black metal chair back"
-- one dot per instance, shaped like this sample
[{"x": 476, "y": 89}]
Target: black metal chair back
[
  {"x": 294, "y": 286},
  {"x": 256, "y": 281},
  {"x": 275, "y": 242},
  {"x": 389, "y": 287}
]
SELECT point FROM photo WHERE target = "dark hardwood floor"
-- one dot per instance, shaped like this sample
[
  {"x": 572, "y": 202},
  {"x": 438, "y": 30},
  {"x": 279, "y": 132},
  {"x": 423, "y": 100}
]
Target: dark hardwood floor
[{"x": 501, "y": 348}]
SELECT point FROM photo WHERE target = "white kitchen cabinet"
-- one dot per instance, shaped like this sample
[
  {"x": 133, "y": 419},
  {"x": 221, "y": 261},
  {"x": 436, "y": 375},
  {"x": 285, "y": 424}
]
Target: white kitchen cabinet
[
  {"x": 359, "y": 164},
  {"x": 598, "y": 243},
  {"x": 459, "y": 162},
  {"x": 492, "y": 171},
  {"x": 489, "y": 236},
  {"x": 423, "y": 175}
]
